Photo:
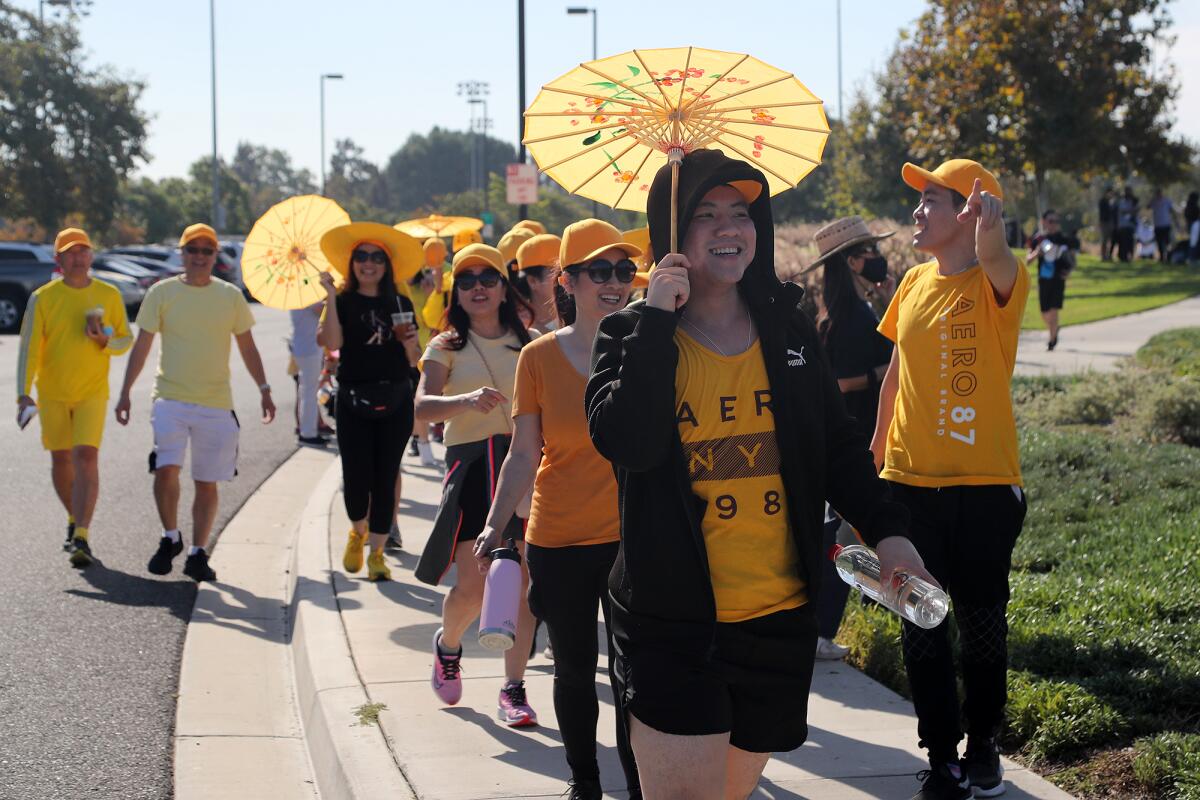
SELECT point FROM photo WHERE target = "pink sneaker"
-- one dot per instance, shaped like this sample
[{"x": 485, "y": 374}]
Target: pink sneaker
[
  {"x": 446, "y": 680},
  {"x": 514, "y": 709}
]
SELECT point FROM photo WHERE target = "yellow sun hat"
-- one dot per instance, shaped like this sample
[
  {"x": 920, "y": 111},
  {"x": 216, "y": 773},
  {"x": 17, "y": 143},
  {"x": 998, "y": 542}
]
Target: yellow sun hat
[
  {"x": 435, "y": 252},
  {"x": 539, "y": 251},
  {"x": 404, "y": 251}
]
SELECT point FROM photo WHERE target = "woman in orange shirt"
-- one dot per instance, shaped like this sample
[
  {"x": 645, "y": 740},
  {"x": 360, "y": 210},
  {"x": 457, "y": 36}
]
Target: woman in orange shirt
[{"x": 568, "y": 561}]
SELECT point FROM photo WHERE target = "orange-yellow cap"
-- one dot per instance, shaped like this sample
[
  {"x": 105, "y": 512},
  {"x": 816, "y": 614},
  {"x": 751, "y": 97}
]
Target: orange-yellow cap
[
  {"x": 71, "y": 237},
  {"x": 464, "y": 238},
  {"x": 197, "y": 231},
  {"x": 584, "y": 240},
  {"x": 958, "y": 174},
  {"x": 435, "y": 252},
  {"x": 531, "y": 224},
  {"x": 479, "y": 255},
  {"x": 540, "y": 251},
  {"x": 510, "y": 241}
]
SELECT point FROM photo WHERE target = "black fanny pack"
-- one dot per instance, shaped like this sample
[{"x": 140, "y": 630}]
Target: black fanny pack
[{"x": 373, "y": 400}]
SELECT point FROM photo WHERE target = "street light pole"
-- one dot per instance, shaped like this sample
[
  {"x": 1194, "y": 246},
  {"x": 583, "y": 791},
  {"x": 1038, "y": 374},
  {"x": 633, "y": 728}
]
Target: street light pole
[
  {"x": 522, "y": 210},
  {"x": 476, "y": 92},
  {"x": 216, "y": 180},
  {"x": 573, "y": 10},
  {"x": 333, "y": 76},
  {"x": 841, "y": 113}
]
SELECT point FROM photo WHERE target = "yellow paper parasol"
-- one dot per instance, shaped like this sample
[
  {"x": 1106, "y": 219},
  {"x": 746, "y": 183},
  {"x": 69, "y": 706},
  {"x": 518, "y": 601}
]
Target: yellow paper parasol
[
  {"x": 605, "y": 128},
  {"x": 437, "y": 225},
  {"x": 282, "y": 258}
]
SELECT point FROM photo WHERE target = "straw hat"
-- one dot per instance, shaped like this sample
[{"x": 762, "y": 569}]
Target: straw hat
[
  {"x": 842, "y": 234},
  {"x": 405, "y": 252}
]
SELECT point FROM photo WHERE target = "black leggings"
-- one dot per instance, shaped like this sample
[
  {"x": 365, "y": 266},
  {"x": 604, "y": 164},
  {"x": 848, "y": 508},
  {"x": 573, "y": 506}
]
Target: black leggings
[
  {"x": 566, "y": 585},
  {"x": 965, "y": 535},
  {"x": 371, "y": 450}
]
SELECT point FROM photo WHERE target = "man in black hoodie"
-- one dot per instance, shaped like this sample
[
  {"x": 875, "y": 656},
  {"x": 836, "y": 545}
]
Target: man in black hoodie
[{"x": 715, "y": 403}]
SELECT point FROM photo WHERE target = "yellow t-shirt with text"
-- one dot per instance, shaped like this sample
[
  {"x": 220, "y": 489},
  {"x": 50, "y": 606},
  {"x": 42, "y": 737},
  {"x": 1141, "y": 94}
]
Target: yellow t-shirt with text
[
  {"x": 197, "y": 324},
  {"x": 953, "y": 424},
  {"x": 723, "y": 412}
]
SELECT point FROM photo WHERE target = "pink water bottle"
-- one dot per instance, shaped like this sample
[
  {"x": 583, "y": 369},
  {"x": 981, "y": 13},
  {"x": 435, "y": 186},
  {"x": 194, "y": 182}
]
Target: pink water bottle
[{"x": 501, "y": 599}]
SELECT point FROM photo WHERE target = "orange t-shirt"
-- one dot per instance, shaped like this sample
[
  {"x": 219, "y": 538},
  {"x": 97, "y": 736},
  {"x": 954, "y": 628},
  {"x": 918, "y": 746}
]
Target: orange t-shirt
[{"x": 575, "y": 494}]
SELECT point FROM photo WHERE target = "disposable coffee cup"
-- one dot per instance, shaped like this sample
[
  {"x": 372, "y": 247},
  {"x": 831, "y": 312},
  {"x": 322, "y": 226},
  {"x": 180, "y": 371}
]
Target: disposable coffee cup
[{"x": 402, "y": 318}]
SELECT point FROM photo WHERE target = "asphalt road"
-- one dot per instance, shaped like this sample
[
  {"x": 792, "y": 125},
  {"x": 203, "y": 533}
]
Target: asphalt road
[{"x": 89, "y": 660}]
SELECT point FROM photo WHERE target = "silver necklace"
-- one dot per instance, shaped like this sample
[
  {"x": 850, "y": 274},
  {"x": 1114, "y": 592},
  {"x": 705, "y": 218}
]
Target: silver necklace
[
  {"x": 963, "y": 268},
  {"x": 715, "y": 346}
]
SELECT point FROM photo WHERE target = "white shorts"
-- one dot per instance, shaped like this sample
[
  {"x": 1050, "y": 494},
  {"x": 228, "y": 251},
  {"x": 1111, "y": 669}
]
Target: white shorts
[{"x": 213, "y": 433}]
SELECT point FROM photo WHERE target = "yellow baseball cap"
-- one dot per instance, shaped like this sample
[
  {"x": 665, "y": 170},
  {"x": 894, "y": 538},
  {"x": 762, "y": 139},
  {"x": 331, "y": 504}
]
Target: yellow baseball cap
[
  {"x": 435, "y": 252},
  {"x": 71, "y": 237},
  {"x": 403, "y": 250},
  {"x": 479, "y": 255},
  {"x": 198, "y": 231},
  {"x": 510, "y": 241},
  {"x": 958, "y": 174},
  {"x": 584, "y": 240},
  {"x": 640, "y": 237},
  {"x": 540, "y": 251},
  {"x": 531, "y": 224},
  {"x": 464, "y": 238}
]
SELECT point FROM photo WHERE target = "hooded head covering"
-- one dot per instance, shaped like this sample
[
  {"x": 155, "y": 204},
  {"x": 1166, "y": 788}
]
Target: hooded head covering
[{"x": 700, "y": 172}]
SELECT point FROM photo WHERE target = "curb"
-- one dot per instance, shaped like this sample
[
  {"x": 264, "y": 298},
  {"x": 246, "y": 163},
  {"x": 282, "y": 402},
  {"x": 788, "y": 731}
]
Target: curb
[{"x": 349, "y": 760}]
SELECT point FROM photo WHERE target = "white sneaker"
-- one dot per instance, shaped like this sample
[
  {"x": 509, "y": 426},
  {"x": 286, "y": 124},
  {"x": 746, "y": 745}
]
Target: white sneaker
[
  {"x": 829, "y": 650},
  {"x": 394, "y": 539},
  {"x": 426, "y": 451}
]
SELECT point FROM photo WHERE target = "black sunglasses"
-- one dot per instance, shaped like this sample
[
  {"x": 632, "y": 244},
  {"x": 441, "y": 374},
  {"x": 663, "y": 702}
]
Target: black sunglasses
[
  {"x": 488, "y": 279},
  {"x": 601, "y": 270},
  {"x": 362, "y": 256},
  {"x": 537, "y": 273},
  {"x": 192, "y": 250}
]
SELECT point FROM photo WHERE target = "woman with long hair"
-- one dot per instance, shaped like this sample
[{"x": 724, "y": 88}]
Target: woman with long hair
[
  {"x": 537, "y": 263},
  {"x": 574, "y": 533},
  {"x": 467, "y": 379},
  {"x": 372, "y": 325},
  {"x": 859, "y": 355}
]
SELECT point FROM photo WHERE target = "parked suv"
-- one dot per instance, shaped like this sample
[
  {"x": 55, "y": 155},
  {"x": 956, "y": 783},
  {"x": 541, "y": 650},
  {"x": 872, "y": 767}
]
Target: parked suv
[{"x": 26, "y": 266}]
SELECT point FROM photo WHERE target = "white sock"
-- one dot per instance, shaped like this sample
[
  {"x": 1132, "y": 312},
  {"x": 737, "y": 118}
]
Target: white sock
[
  {"x": 193, "y": 550},
  {"x": 173, "y": 535}
]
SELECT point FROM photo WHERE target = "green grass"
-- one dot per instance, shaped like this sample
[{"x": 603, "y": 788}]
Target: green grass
[
  {"x": 1104, "y": 642},
  {"x": 1177, "y": 351},
  {"x": 1102, "y": 289}
]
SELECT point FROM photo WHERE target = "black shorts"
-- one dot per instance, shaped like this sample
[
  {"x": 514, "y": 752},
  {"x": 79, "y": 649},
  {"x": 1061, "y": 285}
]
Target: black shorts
[
  {"x": 474, "y": 503},
  {"x": 1050, "y": 293},
  {"x": 753, "y": 686}
]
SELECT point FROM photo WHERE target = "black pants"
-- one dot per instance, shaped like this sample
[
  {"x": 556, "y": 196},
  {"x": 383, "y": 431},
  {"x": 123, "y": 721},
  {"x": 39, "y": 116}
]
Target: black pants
[
  {"x": 1125, "y": 243},
  {"x": 371, "y": 450},
  {"x": 1162, "y": 240},
  {"x": 965, "y": 535},
  {"x": 566, "y": 584}
]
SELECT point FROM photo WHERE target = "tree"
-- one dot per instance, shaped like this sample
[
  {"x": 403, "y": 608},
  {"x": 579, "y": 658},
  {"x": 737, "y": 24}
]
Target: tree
[
  {"x": 438, "y": 164},
  {"x": 356, "y": 183},
  {"x": 268, "y": 176},
  {"x": 1033, "y": 85},
  {"x": 68, "y": 134}
]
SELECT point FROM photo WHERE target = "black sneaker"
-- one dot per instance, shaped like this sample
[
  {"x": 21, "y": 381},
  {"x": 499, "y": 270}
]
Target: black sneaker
[
  {"x": 943, "y": 781},
  {"x": 982, "y": 765},
  {"x": 81, "y": 553},
  {"x": 70, "y": 536},
  {"x": 196, "y": 567},
  {"x": 313, "y": 441},
  {"x": 584, "y": 789},
  {"x": 412, "y": 447},
  {"x": 168, "y": 548}
]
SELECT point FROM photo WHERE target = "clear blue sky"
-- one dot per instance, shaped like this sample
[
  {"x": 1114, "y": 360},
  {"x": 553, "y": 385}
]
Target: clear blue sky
[{"x": 402, "y": 60}]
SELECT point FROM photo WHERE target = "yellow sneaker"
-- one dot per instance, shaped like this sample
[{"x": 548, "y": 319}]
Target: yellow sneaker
[
  {"x": 377, "y": 568},
  {"x": 352, "y": 559}
]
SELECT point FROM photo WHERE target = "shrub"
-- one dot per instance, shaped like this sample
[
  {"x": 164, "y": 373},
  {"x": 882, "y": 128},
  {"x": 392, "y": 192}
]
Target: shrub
[
  {"x": 1170, "y": 413},
  {"x": 1169, "y": 764},
  {"x": 873, "y": 635},
  {"x": 1176, "y": 350},
  {"x": 1054, "y": 719}
]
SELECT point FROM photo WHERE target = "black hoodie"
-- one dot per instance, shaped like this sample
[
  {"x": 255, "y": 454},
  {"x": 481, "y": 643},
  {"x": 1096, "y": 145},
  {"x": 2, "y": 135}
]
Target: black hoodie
[{"x": 660, "y": 585}]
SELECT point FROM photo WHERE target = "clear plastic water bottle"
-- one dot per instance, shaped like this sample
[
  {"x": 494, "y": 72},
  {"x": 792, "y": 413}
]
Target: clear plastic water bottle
[{"x": 914, "y": 599}]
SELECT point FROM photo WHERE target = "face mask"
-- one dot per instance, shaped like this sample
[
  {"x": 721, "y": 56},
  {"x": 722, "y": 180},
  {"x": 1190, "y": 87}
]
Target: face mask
[{"x": 875, "y": 269}]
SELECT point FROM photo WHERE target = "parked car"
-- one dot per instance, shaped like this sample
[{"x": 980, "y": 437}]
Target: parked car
[
  {"x": 18, "y": 280},
  {"x": 27, "y": 251},
  {"x": 159, "y": 267},
  {"x": 132, "y": 293},
  {"x": 144, "y": 276}
]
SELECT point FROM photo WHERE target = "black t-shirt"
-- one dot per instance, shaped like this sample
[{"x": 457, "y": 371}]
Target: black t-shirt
[
  {"x": 1057, "y": 269},
  {"x": 370, "y": 352},
  {"x": 854, "y": 348}
]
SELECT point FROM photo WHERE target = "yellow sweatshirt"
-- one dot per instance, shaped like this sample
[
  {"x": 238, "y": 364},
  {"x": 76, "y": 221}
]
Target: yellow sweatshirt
[{"x": 55, "y": 350}]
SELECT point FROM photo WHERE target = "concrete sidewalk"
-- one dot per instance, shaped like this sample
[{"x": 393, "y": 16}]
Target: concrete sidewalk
[
  {"x": 1102, "y": 345},
  {"x": 862, "y": 742}
]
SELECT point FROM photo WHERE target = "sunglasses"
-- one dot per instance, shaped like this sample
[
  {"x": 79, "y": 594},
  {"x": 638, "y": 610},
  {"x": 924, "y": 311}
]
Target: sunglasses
[
  {"x": 601, "y": 270},
  {"x": 362, "y": 256},
  {"x": 537, "y": 273},
  {"x": 488, "y": 279},
  {"x": 193, "y": 250}
]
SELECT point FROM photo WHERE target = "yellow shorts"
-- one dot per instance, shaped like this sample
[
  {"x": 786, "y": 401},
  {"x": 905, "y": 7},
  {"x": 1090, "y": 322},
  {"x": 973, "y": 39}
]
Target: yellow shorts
[{"x": 66, "y": 425}]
